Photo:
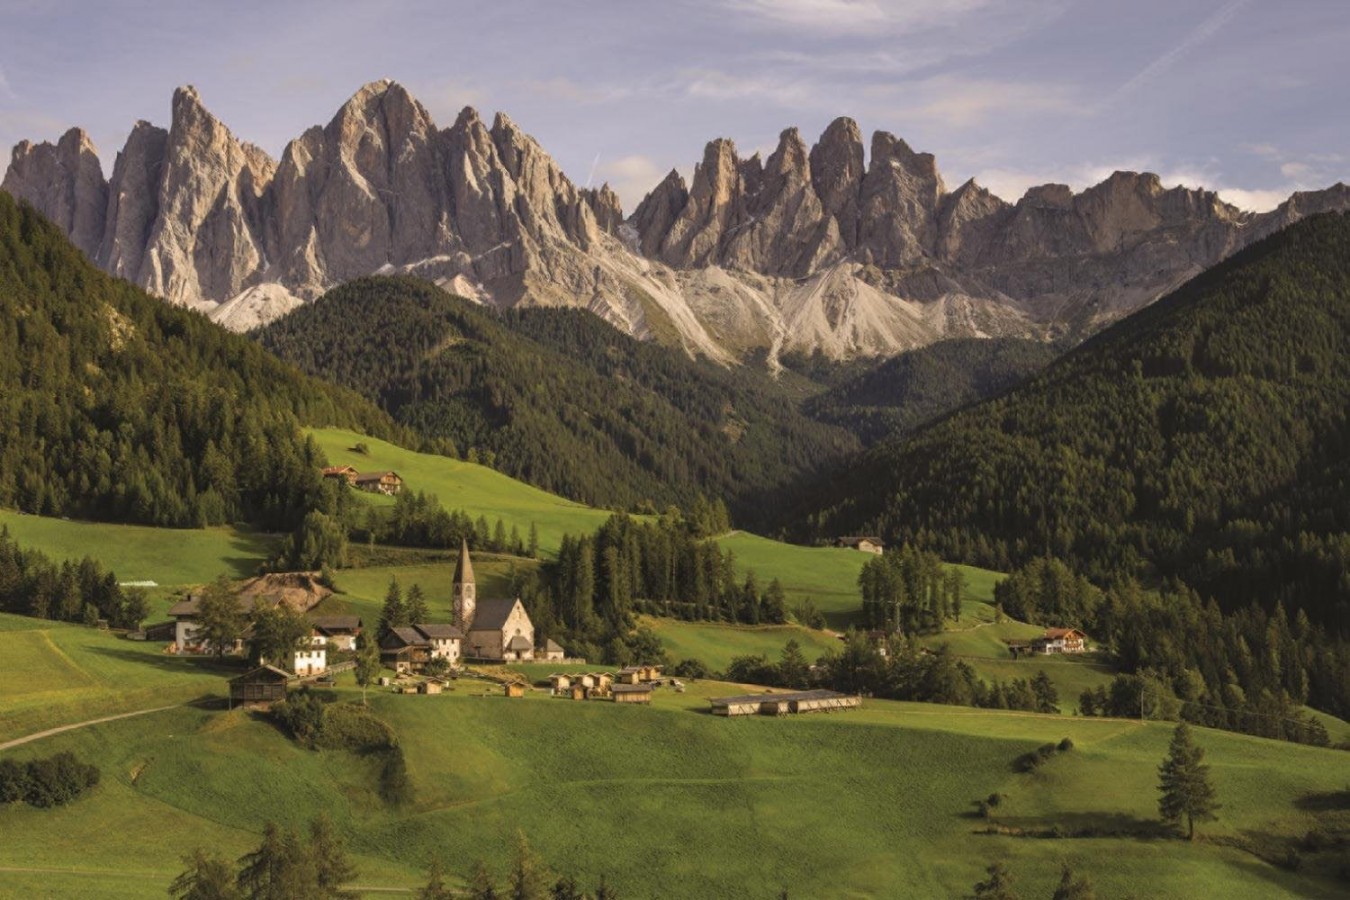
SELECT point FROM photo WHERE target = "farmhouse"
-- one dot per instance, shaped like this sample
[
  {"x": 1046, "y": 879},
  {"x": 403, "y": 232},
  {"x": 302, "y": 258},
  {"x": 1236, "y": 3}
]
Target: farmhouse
[
  {"x": 444, "y": 641},
  {"x": 405, "y": 649},
  {"x": 311, "y": 659},
  {"x": 865, "y": 543},
  {"x": 379, "y": 482},
  {"x": 632, "y": 693},
  {"x": 499, "y": 630},
  {"x": 187, "y": 620},
  {"x": 265, "y": 684},
  {"x": 339, "y": 631},
  {"x": 783, "y": 704},
  {"x": 1060, "y": 640},
  {"x": 341, "y": 473}
]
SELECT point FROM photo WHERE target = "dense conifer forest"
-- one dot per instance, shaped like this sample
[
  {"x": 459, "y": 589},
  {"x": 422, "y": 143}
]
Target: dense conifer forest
[
  {"x": 116, "y": 405},
  {"x": 899, "y": 396},
  {"x": 559, "y": 398}
]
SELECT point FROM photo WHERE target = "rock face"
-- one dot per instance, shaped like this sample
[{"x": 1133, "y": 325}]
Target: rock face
[{"x": 812, "y": 249}]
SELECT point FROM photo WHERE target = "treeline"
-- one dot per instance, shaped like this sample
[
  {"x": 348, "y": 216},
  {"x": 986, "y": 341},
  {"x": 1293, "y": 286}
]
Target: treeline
[
  {"x": 559, "y": 398},
  {"x": 1246, "y": 670},
  {"x": 31, "y": 584},
  {"x": 287, "y": 865},
  {"x": 910, "y": 591},
  {"x": 894, "y": 669},
  {"x": 115, "y": 405},
  {"x": 49, "y": 781}
]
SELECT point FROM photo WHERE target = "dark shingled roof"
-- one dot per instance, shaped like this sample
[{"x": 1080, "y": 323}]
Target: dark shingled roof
[
  {"x": 328, "y": 624},
  {"x": 491, "y": 615},
  {"x": 552, "y": 646},
  {"x": 408, "y": 636},
  {"x": 632, "y": 689},
  {"x": 439, "y": 632},
  {"x": 263, "y": 673}
]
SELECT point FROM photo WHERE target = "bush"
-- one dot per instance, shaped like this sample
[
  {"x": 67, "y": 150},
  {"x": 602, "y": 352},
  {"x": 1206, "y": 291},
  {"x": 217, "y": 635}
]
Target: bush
[
  {"x": 46, "y": 782},
  {"x": 995, "y": 800},
  {"x": 1045, "y": 751},
  {"x": 302, "y": 715},
  {"x": 691, "y": 668},
  {"x": 1065, "y": 745},
  {"x": 354, "y": 728}
]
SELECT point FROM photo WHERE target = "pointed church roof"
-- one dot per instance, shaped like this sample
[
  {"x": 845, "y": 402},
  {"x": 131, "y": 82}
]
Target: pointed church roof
[{"x": 464, "y": 568}]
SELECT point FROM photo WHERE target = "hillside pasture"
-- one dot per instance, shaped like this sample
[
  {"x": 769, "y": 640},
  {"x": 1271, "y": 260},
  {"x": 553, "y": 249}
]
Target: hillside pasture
[
  {"x": 716, "y": 644},
  {"x": 874, "y": 802}
]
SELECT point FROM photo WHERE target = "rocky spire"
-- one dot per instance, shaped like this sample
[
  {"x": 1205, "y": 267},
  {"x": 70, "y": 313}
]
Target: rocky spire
[
  {"x": 837, "y": 174},
  {"x": 133, "y": 201},
  {"x": 65, "y": 183}
]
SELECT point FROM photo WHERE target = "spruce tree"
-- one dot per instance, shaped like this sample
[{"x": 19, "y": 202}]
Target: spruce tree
[
  {"x": 330, "y": 858},
  {"x": 1184, "y": 783},
  {"x": 435, "y": 888},
  {"x": 207, "y": 877},
  {"x": 528, "y": 880},
  {"x": 395, "y": 613},
  {"x": 533, "y": 549},
  {"x": 481, "y": 885},
  {"x": 416, "y": 604}
]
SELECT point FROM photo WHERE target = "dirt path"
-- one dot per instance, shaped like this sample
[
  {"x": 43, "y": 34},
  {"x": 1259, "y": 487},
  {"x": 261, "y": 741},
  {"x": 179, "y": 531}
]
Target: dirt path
[{"x": 51, "y": 731}]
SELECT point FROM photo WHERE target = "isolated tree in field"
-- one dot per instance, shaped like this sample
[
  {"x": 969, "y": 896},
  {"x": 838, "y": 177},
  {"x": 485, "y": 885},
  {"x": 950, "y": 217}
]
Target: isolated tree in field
[
  {"x": 367, "y": 666},
  {"x": 135, "y": 608},
  {"x": 792, "y": 667},
  {"x": 435, "y": 888},
  {"x": 998, "y": 886},
  {"x": 207, "y": 877},
  {"x": 528, "y": 880},
  {"x": 394, "y": 614},
  {"x": 1073, "y": 887},
  {"x": 330, "y": 859},
  {"x": 481, "y": 886},
  {"x": 222, "y": 622},
  {"x": 416, "y": 604},
  {"x": 1184, "y": 783}
]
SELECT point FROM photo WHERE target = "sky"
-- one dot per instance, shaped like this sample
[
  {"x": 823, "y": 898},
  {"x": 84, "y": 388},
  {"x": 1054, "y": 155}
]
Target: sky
[{"x": 1246, "y": 97}]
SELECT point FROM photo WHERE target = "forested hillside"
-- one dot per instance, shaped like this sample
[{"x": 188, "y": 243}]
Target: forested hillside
[
  {"x": 1206, "y": 438},
  {"x": 559, "y": 398},
  {"x": 902, "y": 394},
  {"x": 116, "y": 405}
]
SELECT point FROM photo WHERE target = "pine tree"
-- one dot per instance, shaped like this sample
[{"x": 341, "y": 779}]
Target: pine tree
[
  {"x": 528, "y": 879},
  {"x": 792, "y": 668},
  {"x": 206, "y": 877},
  {"x": 435, "y": 888},
  {"x": 533, "y": 548},
  {"x": 1184, "y": 783},
  {"x": 566, "y": 888},
  {"x": 395, "y": 613},
  {"x": 1073, "y": 887},
  {"x": 481, "y": 886},
  {"x": 1047, "y": 698},
  {"x": 998, "y": 886},
  {"x": 416, "y": 604},
  {"x": 330, "y": 859},
  {"x": 499, "y": 537}
]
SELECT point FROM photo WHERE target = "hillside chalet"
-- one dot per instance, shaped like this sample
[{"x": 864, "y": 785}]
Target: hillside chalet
[
  {"x": 1060, "y": 640},
  {"x": 409, "y": 648},
  {"x": 341, "y": 473},
  {"x": 379, "y": 482},
  {"x": 340, "y": 631},
  {"x": 865, "y": 543}
]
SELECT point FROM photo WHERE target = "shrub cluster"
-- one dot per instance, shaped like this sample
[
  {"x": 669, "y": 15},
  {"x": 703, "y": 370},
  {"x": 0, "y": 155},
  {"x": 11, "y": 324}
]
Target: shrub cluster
[
  {"x": 1030, "y": 762},
  {"x": 46, "y": 782}
]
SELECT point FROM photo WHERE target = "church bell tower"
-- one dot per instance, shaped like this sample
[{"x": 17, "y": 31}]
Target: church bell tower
[{"x": 465, "y": 591}]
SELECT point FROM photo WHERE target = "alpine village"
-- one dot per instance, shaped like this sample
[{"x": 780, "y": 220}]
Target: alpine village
[{"x": 392, "y": 507}]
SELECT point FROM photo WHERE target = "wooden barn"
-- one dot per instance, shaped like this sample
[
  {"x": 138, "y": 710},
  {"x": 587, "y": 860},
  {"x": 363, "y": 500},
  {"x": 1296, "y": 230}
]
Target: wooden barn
[
  {"x": 783, "y": 704},
  {"x": 430, "y": 687},
  {"x": 265, "y": 684},
  {"x": 579, "y": 692},
  {"x": 632, "y": 693},
  {"x": 514, "y": 689},
  {"x": 560, "y": 684},
  {"x": 629, "y": 675}
]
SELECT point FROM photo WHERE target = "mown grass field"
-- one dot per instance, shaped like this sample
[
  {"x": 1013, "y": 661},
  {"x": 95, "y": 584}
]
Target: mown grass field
[
  {"x": 54, "y": 674},
  {"x": 716, "y": 644},
  {"x": 669, "y": 801}
]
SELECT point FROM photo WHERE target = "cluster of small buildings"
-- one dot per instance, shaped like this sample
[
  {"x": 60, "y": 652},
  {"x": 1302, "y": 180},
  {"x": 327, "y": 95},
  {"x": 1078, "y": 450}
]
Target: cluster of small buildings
[
  {"x": 389, "y": 483},
  {"x": 326, "y": 632},
  {"x": 784, "y": 704},
  {"x": 632, "y": 684},
  {"x": 866, "y": 543},
  {"x": 1055, "y": 640}
]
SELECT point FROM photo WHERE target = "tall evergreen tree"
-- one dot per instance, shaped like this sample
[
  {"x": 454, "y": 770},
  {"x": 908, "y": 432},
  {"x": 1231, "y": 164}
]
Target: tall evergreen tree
[
  {"x": 528, "y": 879},
  {"x": 394, "y": 614},
  {"x": 435, "y": 888},
  {"x": 1184, "y": 783},
  {"x": 416, "y": 605},
  {"x": 207, "y": 877},
  {"x": 334, "y": 866}
]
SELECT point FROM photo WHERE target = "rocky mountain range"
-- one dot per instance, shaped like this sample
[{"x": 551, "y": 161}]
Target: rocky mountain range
[{"x": 812, "y": 249}]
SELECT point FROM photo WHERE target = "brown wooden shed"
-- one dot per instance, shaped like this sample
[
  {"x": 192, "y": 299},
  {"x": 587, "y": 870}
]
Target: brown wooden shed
[
  {"x": 515, "y": 689},
  {"x": 632, "y": 693},
  {"x": 265, "y": 684}
]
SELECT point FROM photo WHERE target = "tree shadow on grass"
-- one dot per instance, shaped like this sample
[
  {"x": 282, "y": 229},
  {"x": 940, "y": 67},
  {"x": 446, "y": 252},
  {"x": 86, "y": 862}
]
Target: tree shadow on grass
[{"x": 1081, "y": 825}]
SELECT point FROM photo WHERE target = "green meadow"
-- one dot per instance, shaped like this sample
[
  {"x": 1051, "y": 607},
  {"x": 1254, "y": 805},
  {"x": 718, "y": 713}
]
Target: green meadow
[
  {"x": 668, "y": 801},
  {"x": 717, "y": 644}
]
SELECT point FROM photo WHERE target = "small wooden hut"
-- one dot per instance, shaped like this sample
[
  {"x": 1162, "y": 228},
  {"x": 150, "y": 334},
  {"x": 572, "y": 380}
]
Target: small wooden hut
[
  {"x": 265, "y": 684},
  {"x": 632, "y": 693},
  {"x": 515, "y": 689}
]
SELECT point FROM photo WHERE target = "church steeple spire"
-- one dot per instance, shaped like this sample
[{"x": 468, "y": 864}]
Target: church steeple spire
[{"x": 466, "y": 592}]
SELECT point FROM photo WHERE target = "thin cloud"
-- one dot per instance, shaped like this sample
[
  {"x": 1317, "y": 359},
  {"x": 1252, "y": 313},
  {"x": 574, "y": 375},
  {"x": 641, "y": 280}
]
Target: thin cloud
[
  {"x": 5, "y": 89},
  {"x": 841, "y": 17},
  {"x": 631, "y": 177},
  {"x": 1203, "y": 32}
]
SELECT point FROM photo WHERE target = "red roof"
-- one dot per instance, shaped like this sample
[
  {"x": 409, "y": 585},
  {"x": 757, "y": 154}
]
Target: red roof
[{"x": 1057, "y": 633}]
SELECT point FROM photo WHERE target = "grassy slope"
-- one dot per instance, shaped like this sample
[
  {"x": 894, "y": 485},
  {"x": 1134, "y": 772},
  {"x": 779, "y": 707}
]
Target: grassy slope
[
  {"x": 717, "y": 644},
  {"x": 54, "y": 674},
  {"x": 670, "y": 802},
  {"x": 141, "y": 553}
]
